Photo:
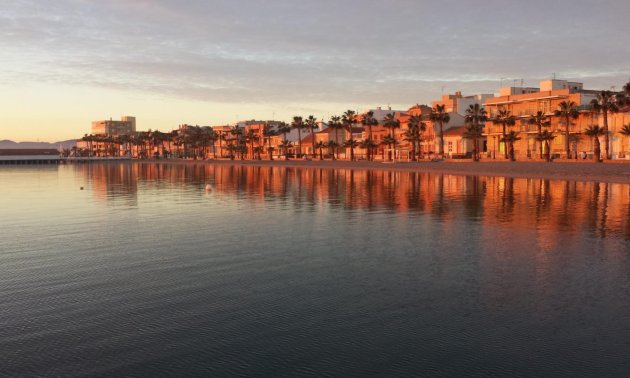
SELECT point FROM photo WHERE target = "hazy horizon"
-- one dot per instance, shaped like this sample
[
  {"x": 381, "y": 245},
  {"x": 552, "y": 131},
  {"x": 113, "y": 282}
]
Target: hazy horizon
[{"x": 211, "y": 63}]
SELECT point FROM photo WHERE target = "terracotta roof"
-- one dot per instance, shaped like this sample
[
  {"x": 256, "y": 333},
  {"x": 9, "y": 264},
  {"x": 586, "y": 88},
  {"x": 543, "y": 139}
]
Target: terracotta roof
[
  {"x": 308, "y": 138},
  {"x": 455, "y": 131}
]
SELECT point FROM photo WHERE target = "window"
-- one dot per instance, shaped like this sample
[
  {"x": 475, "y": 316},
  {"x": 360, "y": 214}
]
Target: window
[{"x": 450, "y": 146}]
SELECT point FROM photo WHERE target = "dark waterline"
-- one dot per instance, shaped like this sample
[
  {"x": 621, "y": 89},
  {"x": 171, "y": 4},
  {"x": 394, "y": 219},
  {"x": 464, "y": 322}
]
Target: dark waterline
[{"x": 307, "y": 272}]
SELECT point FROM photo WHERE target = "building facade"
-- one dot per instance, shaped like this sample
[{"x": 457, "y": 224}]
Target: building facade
[
  {"x": 523, "y": 103},
  {"x": 126, "y": 126}
]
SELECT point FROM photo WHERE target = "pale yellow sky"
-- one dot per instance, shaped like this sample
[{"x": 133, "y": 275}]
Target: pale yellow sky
[{"x": 54, "y": 112}]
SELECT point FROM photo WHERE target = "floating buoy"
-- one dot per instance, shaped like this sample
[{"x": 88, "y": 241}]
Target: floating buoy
[{"x": 208, "y": 188}]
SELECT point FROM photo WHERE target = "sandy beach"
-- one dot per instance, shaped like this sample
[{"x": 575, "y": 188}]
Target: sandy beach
[{"x": 614, "y": 172}]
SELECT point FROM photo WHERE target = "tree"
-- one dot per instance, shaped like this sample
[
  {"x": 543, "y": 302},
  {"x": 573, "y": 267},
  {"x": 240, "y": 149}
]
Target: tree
[
  {"x": 368, "y": 144},
  {"x": 283, "y": 129},
  {"x": 320, "y": 145},
  {"x": 389, "y": 141},
  {"x": 311, "y": 124},
  {"x": 250, "y": 138},
  {"x": 298, "y": 124},
  {"x": 284, "y": 146},
  {"x": 505, "y": 119},
  {"x": 157, "y": 141},
  {"x": 605, "y": 103},
  {"x": 237, "y": 132},
  {"x": 349, "y": 119},
  {"x": 567, "y": 110},
  {"x": 369, "y": 121},
  {"x": 545, "y": 138},
  {"x": 540, "y": 119},
  {"x": 440, "y": 117},
  {"x": 269, "y": 132},
  {"x": 335, "y": 124},
  {"x": 334, "y": 146},
  {"x": 413, "y": 134},
  {"x": 476, "y": 115},
  {"x": 625, "y": 130},
  {"x": 390, "y": 122},
  {"x": 594, "y": 131},
  {"x": 509, "y": 140}
]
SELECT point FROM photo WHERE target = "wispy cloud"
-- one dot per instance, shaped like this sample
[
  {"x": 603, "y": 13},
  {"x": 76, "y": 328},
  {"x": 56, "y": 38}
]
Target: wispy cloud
[{"x": 304, "y": 51}]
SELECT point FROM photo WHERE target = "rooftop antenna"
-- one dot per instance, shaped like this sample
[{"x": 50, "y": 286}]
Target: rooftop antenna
[
  {"x": 554, "y": 76},
  {"x": 501, "y": 85},
  {"x": 514, "y": 82},
  {"x": 521, "y": 82}
]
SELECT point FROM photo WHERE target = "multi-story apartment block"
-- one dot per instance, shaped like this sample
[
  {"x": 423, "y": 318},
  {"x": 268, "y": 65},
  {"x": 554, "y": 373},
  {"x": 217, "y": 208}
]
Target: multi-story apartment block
[
  {"x": 126, "y": 126},
  {"x": 523, "y": 103}
]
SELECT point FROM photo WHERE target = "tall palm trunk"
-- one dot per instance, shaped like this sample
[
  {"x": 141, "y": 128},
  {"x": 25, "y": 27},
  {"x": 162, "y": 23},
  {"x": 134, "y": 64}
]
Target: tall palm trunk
[
  {"x": 547, "y": 151},
  {"x": 505, "y": 144},
  {"x": 299, "y": 143},
  {"x": 441, "y": 149},
  {"x": 597, "y": 150},
  {"x": 606, "y": 141},
  {"x": 567, "y": 146},
  {"x": 540, "y": 148},
  {"x": 369, "y": 149},
  {"x": 337, "y": 141}
]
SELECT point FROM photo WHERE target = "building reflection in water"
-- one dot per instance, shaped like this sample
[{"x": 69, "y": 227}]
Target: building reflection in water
[{"x": 546, "y": 206}]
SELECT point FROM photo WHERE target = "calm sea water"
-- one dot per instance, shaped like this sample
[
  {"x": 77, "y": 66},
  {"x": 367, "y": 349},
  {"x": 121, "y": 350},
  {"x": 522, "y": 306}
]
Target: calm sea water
[{"x": 298, "y": 272}]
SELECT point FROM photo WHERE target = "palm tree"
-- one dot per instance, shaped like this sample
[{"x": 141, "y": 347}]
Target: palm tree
[
  {"x": 320, "y": 145},
  {"x": 207, "y": 136},
  {"x": 334, "y": 146},
  {"x": 509, "y": 140},
  {"x": 540, "y": 119},
  {"x": 311, "y": 124},
  {"x": 267, "y": 133},
  {"x": 284, "y": 146},
  {"x": 250, "y": 138},
  {"x": 335, "y": 124},
  {"x": 567, "y": 110},
  {"x": 605, "y": 103},
  {"x": 545, "y": 138},
  {"x": 505, "y": 119},
  {"x": 413, "y": 134},
  {"x": 237, "y": 132},
  {"x": 89, "y": 139},
  {"x": 625, "y": 130},
  {"x": 441, "y": 117},
  {"x": 368, "y": 144},
  {"x": 476, "y": 115},
  {"x": 389, "y": 141},
  {"x": 349, "y": 119},
  {"x": 594, "y": 132},
  {"x": 298, "y": 124},
  {"x": 390, "y": 122},
  {"x": 368, "y": 121}
]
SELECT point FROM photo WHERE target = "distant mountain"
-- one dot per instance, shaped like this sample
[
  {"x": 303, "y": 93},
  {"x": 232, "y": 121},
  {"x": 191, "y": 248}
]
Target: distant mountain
[{"x": 9, "y": 144}]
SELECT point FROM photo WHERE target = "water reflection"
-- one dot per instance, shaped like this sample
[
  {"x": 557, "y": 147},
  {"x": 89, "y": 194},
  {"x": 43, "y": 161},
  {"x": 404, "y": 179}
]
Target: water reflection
[{"x": 600, "y": 209}]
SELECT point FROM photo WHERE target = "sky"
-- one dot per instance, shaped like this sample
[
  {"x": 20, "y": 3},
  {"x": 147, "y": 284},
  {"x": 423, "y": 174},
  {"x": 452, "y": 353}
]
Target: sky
[{"x": 65, "y": 63}]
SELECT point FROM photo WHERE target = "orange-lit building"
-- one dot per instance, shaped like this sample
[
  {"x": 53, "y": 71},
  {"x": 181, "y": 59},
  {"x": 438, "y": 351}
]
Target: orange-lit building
[{"x": 523, "y": 103}]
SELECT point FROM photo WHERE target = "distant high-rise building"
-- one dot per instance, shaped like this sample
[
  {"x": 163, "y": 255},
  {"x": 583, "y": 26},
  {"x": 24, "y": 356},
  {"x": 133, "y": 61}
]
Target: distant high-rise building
[{"x": 126, "y": 126}]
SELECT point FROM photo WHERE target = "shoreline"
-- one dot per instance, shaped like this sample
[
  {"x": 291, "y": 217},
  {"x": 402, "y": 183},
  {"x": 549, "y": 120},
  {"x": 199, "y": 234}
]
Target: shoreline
[{"x": 570, "y": 171}]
